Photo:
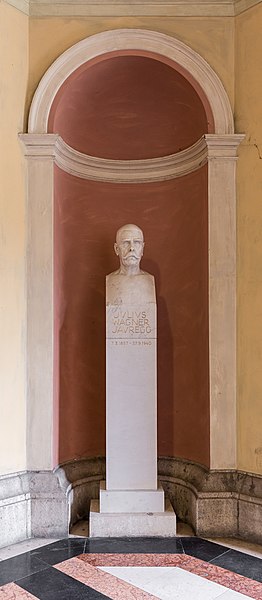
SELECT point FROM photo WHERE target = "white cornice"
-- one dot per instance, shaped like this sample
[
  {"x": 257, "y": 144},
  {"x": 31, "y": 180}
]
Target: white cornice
[
  {"x": 133, "y": 8},
  {"x": 130, "y": 171},
  {"x": 47, "y": 145},
  {"x": 42, "y": 146},
  {"x": 221, "y": 146},
  {"x": 114, "y": 8},
  {"x": 39, "y": 144}
]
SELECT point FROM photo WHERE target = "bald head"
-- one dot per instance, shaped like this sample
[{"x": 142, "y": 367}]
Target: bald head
[
  {"x": 129, "y": 247},
  {"x": 126, "y": 229}
]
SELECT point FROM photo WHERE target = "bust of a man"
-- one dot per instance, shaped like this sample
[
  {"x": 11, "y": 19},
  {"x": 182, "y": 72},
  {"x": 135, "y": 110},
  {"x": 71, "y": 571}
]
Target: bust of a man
[{"x": 129, "y": 284}]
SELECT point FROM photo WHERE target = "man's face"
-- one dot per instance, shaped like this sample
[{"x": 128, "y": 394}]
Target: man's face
[{"x": 129, "y": 247}]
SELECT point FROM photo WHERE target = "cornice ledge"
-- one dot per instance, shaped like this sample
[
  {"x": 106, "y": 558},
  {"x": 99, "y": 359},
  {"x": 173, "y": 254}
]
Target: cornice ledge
[
  {"x": 116, "y": 8},
  {"x": 130, "y": 171},
  {"x": 223, "y": 146},
  {"x": 208, "y": 147},
  {"x": 36, "y": 145},
  {"x": 105, "y": 8}
]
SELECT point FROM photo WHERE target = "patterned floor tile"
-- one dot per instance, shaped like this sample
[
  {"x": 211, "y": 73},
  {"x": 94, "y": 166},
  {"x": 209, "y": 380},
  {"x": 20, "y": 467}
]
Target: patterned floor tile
[
  {"x": 55, "y": 585},
  {"x": 69, "y": 569}
]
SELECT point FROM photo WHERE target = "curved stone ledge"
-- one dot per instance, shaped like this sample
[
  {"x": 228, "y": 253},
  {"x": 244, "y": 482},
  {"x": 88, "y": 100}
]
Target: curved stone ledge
[
  {"x": 46, "y": 146},
  {"x": 130, "y": 171},
  {"x": 83, "y": 482},
  {"x": 215, "y": 503}
]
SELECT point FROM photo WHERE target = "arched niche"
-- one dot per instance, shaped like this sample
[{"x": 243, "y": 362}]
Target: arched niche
[
  {"x": 218, "y": 149},
  {"x": 135, "y": 41}
]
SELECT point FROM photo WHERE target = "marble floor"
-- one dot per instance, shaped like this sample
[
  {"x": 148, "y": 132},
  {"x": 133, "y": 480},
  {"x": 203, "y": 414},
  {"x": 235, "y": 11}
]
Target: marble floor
[{"x": 181, "y": 568}]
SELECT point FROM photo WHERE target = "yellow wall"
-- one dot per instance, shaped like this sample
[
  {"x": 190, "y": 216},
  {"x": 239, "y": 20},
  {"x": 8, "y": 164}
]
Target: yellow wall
[
  {"x": 212, "y": 38},
  {"x": 248, "y": 115},
  {"x": 233, "y": 47},
  {"x": 13, "y": 68}
]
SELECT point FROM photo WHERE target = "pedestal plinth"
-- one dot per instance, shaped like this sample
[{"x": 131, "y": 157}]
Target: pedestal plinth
[
  {"x": 130, "y": 524},
  {"x": 134, "y": 501}
]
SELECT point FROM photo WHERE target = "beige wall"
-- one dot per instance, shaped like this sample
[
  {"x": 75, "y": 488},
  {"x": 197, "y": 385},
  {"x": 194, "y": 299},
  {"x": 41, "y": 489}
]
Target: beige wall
[
  {"x": 249, "y": 120},
  {"x": 235, "y": 49},
  {"x": 215, "y": 39},
  {"x": 13, "y": 68},
  {"x": 50, "y": 37}
]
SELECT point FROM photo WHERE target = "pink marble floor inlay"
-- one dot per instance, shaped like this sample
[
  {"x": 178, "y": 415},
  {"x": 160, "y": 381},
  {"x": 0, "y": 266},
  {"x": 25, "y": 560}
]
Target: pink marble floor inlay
[
  {"x": 11, "y": 591},
  {"x": 102, "y": 582},
  {"x": 230, "y": 580}
]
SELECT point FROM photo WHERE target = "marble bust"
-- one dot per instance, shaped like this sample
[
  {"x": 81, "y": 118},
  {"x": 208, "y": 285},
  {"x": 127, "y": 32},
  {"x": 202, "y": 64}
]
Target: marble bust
[{"x": 129, "y": 284}]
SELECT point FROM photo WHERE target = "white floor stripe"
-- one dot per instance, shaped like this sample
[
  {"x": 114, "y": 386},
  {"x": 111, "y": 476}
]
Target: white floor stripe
[{"x": 173, "y": 583}]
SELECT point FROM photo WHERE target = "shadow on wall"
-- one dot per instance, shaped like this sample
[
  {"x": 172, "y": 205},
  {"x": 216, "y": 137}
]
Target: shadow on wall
[{"x": 165, "y": 358}]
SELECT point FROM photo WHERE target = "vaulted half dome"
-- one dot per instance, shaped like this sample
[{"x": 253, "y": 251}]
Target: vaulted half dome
[{"x": 128, "y": 107}]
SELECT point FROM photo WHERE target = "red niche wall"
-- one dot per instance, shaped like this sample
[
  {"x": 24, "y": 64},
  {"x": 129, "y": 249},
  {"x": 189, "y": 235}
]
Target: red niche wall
[
  {"x": 131, "y": 107},
  {"x": 128, "y": 107},
  {"x": 173, "y": 216}
]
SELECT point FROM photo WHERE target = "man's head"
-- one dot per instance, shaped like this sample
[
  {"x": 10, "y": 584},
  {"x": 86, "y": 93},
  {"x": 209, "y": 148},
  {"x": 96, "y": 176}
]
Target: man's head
[{"x": 129, "y": 246}]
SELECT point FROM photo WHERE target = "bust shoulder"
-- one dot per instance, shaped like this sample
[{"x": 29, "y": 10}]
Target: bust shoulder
[{"x": 130, "y": 289}]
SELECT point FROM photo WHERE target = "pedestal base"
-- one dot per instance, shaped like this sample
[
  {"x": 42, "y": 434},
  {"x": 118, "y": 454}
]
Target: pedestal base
[
  {"x": 131, "y": 501},
  {"x": 162, "y": 524}
]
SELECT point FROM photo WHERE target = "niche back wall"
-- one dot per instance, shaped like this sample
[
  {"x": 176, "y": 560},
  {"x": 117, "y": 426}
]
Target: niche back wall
[{"x": 131, "y": 108}]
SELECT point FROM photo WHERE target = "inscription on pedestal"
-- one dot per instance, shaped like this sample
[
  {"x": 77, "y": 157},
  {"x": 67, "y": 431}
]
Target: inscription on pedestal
[
  {"x": 131, "y": 322},
  {"x": 131, "y": 397}
]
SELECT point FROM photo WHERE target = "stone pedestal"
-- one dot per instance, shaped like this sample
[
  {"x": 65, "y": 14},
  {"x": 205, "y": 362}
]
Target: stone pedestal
[
  {"x": 134, "y": 501},
  {"x": 131, "y": 502},
  {"x": 130, "y": 524},
  {"x": 131, "y": 435}
]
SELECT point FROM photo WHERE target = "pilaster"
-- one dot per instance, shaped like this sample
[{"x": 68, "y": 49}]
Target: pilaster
[
  {"x": 222, "y": 157},
  {"x": 39, "y": 151}
]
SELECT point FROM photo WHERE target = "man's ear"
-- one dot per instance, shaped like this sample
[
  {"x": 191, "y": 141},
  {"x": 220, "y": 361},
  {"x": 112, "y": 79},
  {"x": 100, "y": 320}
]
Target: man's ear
[{"x": 116, "y": 249}]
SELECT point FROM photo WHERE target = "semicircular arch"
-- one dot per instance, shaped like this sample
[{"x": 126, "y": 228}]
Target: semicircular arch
[{"x": 159, "y": 45}]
